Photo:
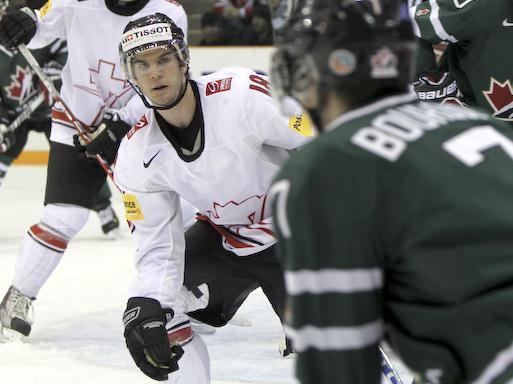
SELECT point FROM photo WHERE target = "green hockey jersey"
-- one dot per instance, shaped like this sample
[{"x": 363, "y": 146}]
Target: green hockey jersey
[
  {"x": 398, "y": 223},
  {"x": 19, "y": 84},
  {"x": 480, "y": 33}
]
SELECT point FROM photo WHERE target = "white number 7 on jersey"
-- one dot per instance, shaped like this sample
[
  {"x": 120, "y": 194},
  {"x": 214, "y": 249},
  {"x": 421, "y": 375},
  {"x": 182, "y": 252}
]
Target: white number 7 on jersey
[
  {"x": 469, "y": 145},
  {"x": 280, "y": 191}
]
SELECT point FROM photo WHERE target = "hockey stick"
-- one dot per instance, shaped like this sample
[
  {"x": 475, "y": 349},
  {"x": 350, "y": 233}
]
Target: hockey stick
[
  {"x": 388, "y": 369},
  {"x": 25, "y": 113},
  {"x": 57, "y": 97}
]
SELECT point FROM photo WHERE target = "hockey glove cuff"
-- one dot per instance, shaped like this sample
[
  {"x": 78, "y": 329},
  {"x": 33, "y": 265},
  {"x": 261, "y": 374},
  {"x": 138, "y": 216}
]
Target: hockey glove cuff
[
  {"x": 105, "y": 139},
  {"x": 147, "y": 338},
  {"x": 438, "y": 88},
  {"x": 17, "y": 26},
  {"x": 108, "y": 136}
]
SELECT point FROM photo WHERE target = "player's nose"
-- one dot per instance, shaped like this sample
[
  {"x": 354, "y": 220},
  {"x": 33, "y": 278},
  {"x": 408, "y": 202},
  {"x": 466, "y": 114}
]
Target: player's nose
[{"x": 155, "y": 73}]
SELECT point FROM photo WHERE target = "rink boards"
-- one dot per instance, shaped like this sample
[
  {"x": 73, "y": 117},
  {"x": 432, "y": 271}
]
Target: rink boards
[{"x": 203, "y": 60}]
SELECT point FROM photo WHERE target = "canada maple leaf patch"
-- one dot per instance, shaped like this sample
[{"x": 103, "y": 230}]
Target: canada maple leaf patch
[
  {"x": 21, "y": 86},
  {"x": 500, "y": 98}
]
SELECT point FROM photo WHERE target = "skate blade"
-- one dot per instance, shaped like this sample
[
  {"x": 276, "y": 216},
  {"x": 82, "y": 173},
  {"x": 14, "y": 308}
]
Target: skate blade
[
  {"x": 202, "y": 328},
  {"x": 240, "y": 321},
  {"x": 10, "y": 336},
  {"x": 115, "y": 234}
]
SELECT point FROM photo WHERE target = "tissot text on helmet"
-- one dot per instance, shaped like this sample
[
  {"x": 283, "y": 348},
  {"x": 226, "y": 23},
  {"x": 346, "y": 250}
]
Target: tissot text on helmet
[{"x": 146, "y": 34}]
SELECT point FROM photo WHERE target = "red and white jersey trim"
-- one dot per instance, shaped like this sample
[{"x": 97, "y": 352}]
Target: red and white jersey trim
[
  {"x": 244, "y": 240},
  {"x": 180, "y": 333},
  {"x": 48, "y": 238}
]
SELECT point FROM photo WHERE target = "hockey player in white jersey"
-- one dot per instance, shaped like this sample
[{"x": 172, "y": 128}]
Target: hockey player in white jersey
[
  {"x": 92, "y": 83},
  {"x": 216, "y": 141}
]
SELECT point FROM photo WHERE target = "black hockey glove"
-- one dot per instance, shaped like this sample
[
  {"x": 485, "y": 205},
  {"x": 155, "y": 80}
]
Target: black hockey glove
[
  {"x": 438, "y": 88},
  {"x": 105, "y": 139},
  {"x": 17, "y": 26},
  {"x": 7, "y": 138},
  {"x": 147, "y": 339}
]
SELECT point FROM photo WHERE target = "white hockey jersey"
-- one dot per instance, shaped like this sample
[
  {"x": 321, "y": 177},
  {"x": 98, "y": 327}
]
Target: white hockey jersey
[
  {"x": 244, "y": 142},
  {"x": 92, "y": 80}
]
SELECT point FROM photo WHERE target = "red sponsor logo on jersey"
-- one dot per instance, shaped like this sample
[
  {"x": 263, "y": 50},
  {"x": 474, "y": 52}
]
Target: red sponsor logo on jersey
[
  {"x": 143, "y": 122},
  {"x": 422, "y": 12},
  {"x": 174, "y": 2},
  {"x": 217, "y": 86},
  {"x": 500, "y": 98}
]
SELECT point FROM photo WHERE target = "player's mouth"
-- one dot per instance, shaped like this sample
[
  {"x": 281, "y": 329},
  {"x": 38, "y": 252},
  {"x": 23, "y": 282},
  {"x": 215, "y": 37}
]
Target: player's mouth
[{"x": 159, "y": 88}]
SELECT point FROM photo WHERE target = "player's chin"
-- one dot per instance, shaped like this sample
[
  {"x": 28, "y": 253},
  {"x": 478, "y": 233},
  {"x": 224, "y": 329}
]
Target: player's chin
[
  {"x": 161, "y": 98},
  {"x": 162, "y": 101}
]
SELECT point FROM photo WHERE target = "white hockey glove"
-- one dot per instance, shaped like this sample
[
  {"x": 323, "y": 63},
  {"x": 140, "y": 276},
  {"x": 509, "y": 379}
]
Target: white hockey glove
[
  {"x": 7, "y": 138},
  {"x": 147, "y": 338}
]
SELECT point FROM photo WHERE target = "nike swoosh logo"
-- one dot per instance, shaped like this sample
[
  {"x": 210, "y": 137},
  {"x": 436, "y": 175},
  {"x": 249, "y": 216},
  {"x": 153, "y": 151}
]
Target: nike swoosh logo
[
  {"x": 147, "y": 164},
  {"x": 507, "y": 23}
]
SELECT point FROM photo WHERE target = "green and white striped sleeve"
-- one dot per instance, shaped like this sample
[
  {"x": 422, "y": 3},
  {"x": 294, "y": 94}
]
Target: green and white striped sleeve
[
  {"x": 333, "y": 278},
  {"x": 448, "y": 20}
]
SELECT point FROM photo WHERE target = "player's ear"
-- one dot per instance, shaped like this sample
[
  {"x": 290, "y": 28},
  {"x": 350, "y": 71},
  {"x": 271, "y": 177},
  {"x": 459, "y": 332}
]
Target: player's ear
[{"x": 183, "y": 67}]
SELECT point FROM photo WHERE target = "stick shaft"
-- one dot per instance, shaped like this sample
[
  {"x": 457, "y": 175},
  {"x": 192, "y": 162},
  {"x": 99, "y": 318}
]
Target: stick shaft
[
  {"x": 26, "y": 112},
  {"x": 390, "y": 365},
  {"x": 57, "y": 97}
]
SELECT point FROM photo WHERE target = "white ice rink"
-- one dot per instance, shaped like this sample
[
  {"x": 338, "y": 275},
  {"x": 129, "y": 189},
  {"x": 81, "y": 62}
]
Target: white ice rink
[{"x": 77, "y": 335}]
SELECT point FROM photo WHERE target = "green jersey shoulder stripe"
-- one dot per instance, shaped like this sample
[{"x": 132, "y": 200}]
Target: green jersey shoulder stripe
[
  {"x": 434, "y": 20},
  {"x": 437, "y": 24}
]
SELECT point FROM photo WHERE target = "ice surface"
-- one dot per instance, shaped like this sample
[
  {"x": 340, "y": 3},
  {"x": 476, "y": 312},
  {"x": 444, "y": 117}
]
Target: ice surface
[{"x": 77, "y": 337}]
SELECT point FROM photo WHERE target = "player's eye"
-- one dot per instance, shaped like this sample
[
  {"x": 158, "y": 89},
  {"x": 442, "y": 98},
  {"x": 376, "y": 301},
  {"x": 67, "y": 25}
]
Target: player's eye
[
  {"x": 165, "y": 59},
  {"x": 141, "y": 66}
]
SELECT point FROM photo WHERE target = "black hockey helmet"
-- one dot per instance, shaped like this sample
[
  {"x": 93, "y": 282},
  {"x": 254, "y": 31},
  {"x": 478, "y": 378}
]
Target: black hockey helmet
[
  {"x": 150, "y": 32},
  {"x": 336, "y": 44},
  {"x": 125, "y": 7}
]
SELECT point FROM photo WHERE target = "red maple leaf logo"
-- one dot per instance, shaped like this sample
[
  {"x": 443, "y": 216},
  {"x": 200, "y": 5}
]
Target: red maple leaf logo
[
  {"x": 21, "y": 86},
  {"x": 253, "y": 207},
  {"x": 500, "y": 98}
]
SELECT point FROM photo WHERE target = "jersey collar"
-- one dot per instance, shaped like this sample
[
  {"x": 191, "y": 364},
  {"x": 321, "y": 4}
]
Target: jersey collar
[{"x": 370, "y": 108}]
